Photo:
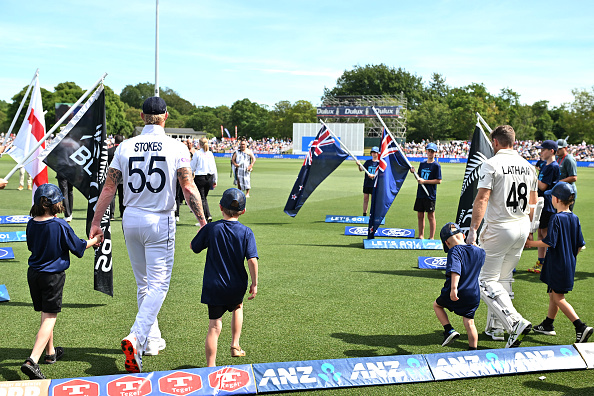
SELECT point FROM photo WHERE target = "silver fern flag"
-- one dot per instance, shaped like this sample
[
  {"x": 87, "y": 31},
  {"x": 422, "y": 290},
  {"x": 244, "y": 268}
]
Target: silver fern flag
[{"x": 480, "y": 151}]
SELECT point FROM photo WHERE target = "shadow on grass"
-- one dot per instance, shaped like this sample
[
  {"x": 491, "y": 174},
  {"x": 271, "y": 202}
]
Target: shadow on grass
[
  {"x": 356, "y": 245},
  {"x": 562, "y": 389},
  {"x": 532, "y": 277},
  {"x": 101, "y": 361},
  {"x": 415, "y": 273},
  {"x": 66, "y": 305}
]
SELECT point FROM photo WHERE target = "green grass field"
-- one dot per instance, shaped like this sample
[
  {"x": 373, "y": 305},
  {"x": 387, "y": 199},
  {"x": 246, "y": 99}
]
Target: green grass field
[{"x": 321, "y": 295}]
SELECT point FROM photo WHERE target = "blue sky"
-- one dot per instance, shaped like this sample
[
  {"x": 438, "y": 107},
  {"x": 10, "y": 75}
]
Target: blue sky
[{"x": 215, "y": 53}]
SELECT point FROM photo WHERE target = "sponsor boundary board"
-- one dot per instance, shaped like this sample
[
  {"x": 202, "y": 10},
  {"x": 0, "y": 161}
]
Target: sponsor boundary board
[
  {"x": 587, "y": 351},
  {"x": 4, "y": 294},
  {"x": 21, "y": 219},
  {"x": 403, "y": 244},
  {"x": 438, "y": 263},
  {"x": 381, "y": 232},
  {"x": 6, "y": 253},
  {"x": 25, "y": 388},
  {"x": 493, "y": 362},
  {"x": 13, "y": 236},
  {"x": 349, "y": 219}
]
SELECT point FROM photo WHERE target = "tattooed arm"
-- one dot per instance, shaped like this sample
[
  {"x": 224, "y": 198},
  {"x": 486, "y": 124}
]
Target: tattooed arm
[
  {"x": 191, "y": 194},
  {"x": 114, "y": 177}
]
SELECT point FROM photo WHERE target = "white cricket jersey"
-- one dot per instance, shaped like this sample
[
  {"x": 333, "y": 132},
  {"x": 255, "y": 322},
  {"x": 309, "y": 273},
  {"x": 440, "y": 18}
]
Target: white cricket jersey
[
  {"x": 511, "y": 179},
  {"x": 149, "y": 164}
]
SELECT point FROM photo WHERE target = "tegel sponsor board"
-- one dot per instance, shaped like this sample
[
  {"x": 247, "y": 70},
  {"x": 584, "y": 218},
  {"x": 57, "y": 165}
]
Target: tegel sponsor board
[
  {"x": 469, "y": 364},
  {"x": 338, "y": 373},
  {"x": 409, "y": 244},
  {"x": 349, "y": 219},
  {"x": 13, "y": 236},
  {"x": 432, "y": 262},
  {"x": 14, "y": 219},
  {"x": 381, "y": 232},
  {"x": 6, "y": 253},
  {"x": 228, "y": 380}
]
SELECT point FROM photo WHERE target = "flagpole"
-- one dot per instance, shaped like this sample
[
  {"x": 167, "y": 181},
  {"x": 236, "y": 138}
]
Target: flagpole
[
  {"x": 346, "y": 149},
  {"x": 399, "y": 148},
  {"x": 56, "y": 125},
  {"x": 20, "y": 107},
  {"x": 478, "y": 124},
  {"x": 157, "y": 51},
  {"x": 481, "y": 119}
]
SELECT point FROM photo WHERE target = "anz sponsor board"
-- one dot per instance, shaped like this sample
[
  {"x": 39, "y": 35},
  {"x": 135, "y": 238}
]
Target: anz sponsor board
[
  {"x": 6, "y": 253},
  {"x": 349, "y": 219},
  {"x": 338, "y": 373},
  {"x": 403, "y": 244},
  {"x": 485, "y": 363},
  {"x": 228, "y": 380},
  {"x": 432, "y": 262},
  {"x": 587, "y": 351},
  {"x": 13, "y": 236},
  {"x": 14, "y": 219},
  {"x": 383, "y": 232}
]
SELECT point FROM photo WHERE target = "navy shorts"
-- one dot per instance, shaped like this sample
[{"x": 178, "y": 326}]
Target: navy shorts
[
  {"x": 544, "y": 219},
  {"x": 460, "y": 307},
  {"x": 424, "y": 205},
  {"x": 217, "y": 311},
  {"x": 550, "y": 290},
  {"x": 367, "y": 190},
  {"x": 46, "y": 290}
]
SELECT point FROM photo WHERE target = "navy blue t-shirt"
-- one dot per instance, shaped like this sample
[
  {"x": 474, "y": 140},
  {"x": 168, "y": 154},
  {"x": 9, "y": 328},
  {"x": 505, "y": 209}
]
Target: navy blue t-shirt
[
  {"x": 467, "y": 261},
  {"x": 371, "y": 167},
  {"x": 549, "y": 174},
  {"x": 50, "y": 243},
  {"x": 229, "y": 244},
  {"x": 429, "y": 171},
  {"x": 564, "y": 238}
]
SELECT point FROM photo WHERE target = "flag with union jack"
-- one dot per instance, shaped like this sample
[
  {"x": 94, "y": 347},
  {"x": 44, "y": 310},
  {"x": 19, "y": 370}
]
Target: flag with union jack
[
  {"x": 390, "y": 175},
  {"x": 323, "y": 157}
]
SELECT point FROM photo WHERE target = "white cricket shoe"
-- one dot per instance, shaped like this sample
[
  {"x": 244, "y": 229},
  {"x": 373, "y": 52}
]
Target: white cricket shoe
[
  {"x": 496, "y": 334},
  {"x": 521, "y": 328},
  {"x": 131, "y": 349},
  {"x": 154, "y": 345}
]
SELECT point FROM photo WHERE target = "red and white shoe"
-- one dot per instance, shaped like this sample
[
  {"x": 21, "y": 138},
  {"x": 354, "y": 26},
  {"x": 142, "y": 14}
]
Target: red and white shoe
[{"x": 133, "y": 354}]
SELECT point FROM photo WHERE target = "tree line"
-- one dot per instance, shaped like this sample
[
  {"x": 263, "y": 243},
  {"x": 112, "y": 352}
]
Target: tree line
[{"x": 436, "y": 110}]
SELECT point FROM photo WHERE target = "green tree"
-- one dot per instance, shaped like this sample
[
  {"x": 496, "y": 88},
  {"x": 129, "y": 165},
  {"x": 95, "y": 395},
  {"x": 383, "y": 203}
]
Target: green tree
[
  {"x": 205, "y": 119},
  {"x": 543, "y": 123},
  {"x": 46, "y": 101},
  {"x": 431, "y": 120},
  {"x": 4, "y": 116},
  {"x": 578, "y": 121},
  {"x": 115, "y": 114},
  {"x": 464, "y": 103},
  {"x": 284, "y": 114},
  {"x": 250, "y": 118},
  {"x": 437, "y": 89},
  {"x": 135, "y": 95}
]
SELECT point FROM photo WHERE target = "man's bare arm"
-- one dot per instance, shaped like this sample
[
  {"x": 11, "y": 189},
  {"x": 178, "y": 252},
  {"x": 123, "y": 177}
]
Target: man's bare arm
[
  {"x": 113, "y": 178},
  {"x": 191, "y": 193}
]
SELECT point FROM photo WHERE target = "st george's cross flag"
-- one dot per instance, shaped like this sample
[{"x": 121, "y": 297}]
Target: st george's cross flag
[
  {"x": 480, "y": 151},
  {"x": 79, "y": 154},
  {"x": 31, "y": 132},
  {"x": 389, "y": 176},
  {"x": 323, "y": 157}
]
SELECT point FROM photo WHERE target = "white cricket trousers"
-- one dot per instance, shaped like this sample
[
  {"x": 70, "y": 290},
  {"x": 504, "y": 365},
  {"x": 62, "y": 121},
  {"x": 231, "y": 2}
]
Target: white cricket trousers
[
  {"x": 503, "y": 244},
  {"x": 150, "y": 239}
]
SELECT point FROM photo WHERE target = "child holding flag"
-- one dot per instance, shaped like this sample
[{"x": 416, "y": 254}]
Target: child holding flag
[
  {"x": 371, "y": 166},
  {"x": 430, "y": 177}
]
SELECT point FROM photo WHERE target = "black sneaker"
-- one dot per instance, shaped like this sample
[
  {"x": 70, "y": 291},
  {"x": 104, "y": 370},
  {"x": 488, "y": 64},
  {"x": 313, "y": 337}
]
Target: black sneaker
[
  {"x": 32, "y": 370},
  {"x": 583, "y": 334},
  {"x": 544, "y": 329},
  {"x": 449, "y": 337}
]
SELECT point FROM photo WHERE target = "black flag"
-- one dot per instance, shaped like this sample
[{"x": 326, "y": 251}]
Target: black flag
[
  {"x": 480, "y": 150},
  {"x": 79, "y": 154}
]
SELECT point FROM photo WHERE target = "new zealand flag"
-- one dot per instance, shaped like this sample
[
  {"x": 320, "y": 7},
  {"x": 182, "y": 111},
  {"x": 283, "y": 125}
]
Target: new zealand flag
[
  {"x": 323, "y": 157},
  {"x": 389, "y": 176}
]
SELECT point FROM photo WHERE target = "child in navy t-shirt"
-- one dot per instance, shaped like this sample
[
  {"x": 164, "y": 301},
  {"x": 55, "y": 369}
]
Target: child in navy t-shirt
[
  {"x": 460, "y": 292},
  {"x": 225, "y": 279},
  {"x": 564, "y": 241}
]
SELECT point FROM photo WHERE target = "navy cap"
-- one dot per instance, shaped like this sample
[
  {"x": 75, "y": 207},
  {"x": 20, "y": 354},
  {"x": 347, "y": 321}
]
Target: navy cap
[
  {"x": 154, "y": 105},
  {"x": 431, "y": 146},
  {"x": 375, "y": 149},
  {"x": 562, "y": 190},
  {"x": 446, "y": 232},
  {"x": 561, "y": 143},
  {"x": 233, "y": 199},
  {"x": 549, "y": 145},
  {"x": 49, "y": 191}
]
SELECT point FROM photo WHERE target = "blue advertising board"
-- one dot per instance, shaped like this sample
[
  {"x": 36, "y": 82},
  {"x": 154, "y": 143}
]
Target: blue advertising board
[
  {"x": 13, "y": 236},
  {"x": 339, "y": 373},
  {"x": 484, "y": 363},
  {"x": 19, "y": 219},
  {"x": 404, "y": 244},
  {"x": 381, "y": 232},
  {"x": 432, "y": 262},
  {"x": 4, "y": 294},
  {"x": 349, "y": 219},
  {"x": 6, "y": 253}
]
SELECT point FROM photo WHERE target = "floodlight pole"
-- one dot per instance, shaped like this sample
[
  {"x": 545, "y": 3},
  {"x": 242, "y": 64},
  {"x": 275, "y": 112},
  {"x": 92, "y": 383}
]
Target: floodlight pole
[
  {"x": 16, "y": 116},
  {"x": 346, "y": 149},
  {"x": 157, "y": 50}
]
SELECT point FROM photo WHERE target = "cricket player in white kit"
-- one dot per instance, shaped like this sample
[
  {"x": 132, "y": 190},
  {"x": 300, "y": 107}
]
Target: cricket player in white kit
[
  {"x": 149, "y": 166},
  {"x": 507, "y": 195}
]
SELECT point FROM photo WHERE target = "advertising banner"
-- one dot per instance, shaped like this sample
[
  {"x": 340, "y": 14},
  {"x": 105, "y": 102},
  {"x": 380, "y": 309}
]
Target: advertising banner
[
  {"x": 13, "y": 236},
  {"x": 24, "y": 388},
  {"x": 405, "y": 244},
  {"x": 432, "y": 262},
  {"x": 381, "y": 232},
  {"x": 6, "y": 253},
  {"x": 349, "y": 219},
  {"x": 587, "y": 351},
  {"x": 20, "y": 219}
]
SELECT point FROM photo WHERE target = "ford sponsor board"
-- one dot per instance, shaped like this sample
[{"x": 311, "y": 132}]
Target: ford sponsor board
[
  {"x": 405, "y": 244},
  {"x": 383, "y": 232},
  {"x": 432, "y": 262}
]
